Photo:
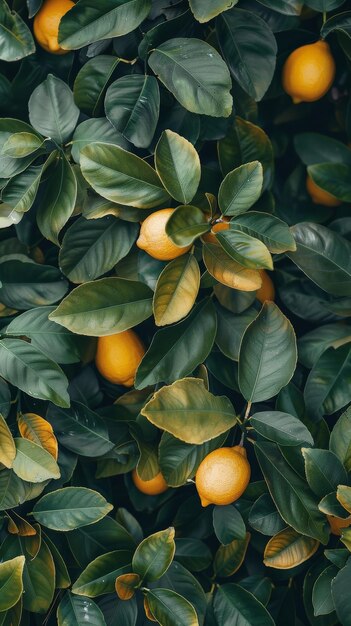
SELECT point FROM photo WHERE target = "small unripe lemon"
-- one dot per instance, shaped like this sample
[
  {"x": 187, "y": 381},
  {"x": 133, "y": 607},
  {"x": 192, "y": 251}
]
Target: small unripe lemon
[
  {"x": 266, "y": 291},
  {"x": 154, "y": 239},
  {"x": 337, "y": 524},
  {"x": 152, "y": 487},
  {"x": 308, "y": 72},
  {"x": 319, "y": 195},
  {"x": 118, "y": 356},
  {"x": 46, "y": 24},
  {"x": 223, "y": 476}
]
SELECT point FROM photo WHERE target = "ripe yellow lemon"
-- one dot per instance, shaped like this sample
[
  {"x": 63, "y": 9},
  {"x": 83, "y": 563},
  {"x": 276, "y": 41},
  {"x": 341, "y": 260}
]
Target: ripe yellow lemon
[
  {"x": 319, "y": 195},
  {"x": 152, "y": 487},
  {"x": 223, "y": 476},
  {"x": 337, "y": 524},
  {"x": 266, "y": 291},
  {"x": 46, "y": 24},
  {"x": 154, "y": 239},
  {"x": 308, "y": 72},
  {"x": 216, "y": 228},
  {"x": 118, "y": 356}
]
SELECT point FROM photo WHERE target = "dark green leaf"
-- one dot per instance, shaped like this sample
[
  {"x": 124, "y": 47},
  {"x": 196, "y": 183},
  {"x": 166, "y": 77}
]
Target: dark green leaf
[
  {"x": 25, "y": 284},
  {"x": 340, "y": 439},
  {"x": 229, "y": 558},
  {"x": 281, "y": 428},
  {"x": 241, "y": 188},
  {"x": 264, "y": 516},
  {"x": 16, "y": 40},
  {"x": 178, "y": 166},
  {"x": 322, "y": 596},
  {"x": 100, "y": 575},
  {"x": 168, "y": 607},
  {"x": 154, "y": 555},
  {"x": 312, "y": 345},
  {"x": 274, "y": 233},
  {"x": 70, "y": 508},
  {"x": 91, "y": 82},
  {"x": 75, "y": 611},
  {"x": 193, "y": 553},
  {"x": 228, "y": 524},
  {"x": 52, "y": 111},
  {"x": 340, "y": 593},
  {"x": 324, "y": 471},
  {"x": 333, "y": 178},
  {"x": 235, "y": 605},
  {"x": 328, "y": 385},
  {"x": 205, "y": 10},
  {"x": 186, "y": 224},
  {"x": 91, "y": 131},
  {"x": 246, "y": 250}
]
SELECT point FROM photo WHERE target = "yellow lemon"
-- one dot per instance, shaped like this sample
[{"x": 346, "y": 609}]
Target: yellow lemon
[
  {"x": 319, "y": 195},
  {"x": 46, "y": 24},
  {"x": 152, "y": 487},
  {"x": 118, "y": 356},
  {"x": 223, "y": 476},
  {"x": 308, "y": 72},
  {"x": 154, "y": 239},
  {"x": 216, "y": 228}
]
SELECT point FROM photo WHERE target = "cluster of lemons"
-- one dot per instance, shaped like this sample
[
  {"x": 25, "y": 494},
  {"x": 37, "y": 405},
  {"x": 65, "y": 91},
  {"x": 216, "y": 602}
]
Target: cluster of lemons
[{"x": 224, "y": 474}]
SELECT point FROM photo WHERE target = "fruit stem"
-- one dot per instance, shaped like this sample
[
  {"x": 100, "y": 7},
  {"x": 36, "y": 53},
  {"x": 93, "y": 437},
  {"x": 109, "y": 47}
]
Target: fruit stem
[
  {"x": 246, "y": 417},
  {"x": 324, "y": 17}
]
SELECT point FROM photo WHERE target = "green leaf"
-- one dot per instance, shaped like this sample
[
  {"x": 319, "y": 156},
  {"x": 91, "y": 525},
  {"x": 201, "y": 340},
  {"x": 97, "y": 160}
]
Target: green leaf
[
  {"x": 121, "y": 176},
  {"x": 328, "y": 385},
  {"x": 274, "y": 233},
  {"x": 186, "y": 224},
  {"x": 20, "y": 192},
  {"x": 339, "y": 22},
  {"x": 315, "y": 148},
  {"x": 264, "y": 516},
  {"x": 235, "y": 605},
  {"x": 241, "y": 188},
  {"x": 176, "y": 290},
  {"x": 11, "y": 585},
  {"x": 13, "y": 491},
  {"x": 281, "y": 428},
  {"x": 89, "y": 542},
  {"x": 58, "y": 201},
  {"x": 32, "y": 463},
  {"x": 178, "y": 166},
  {"x": 331, "y": 506},
  {"x": 324, "y": 471},
  {"x": 132, "y": 104},
  {"x": 179, "y": 460},
  {"x": 7, "y": 444},
  {"x": 55, "y": 341},
  {"x": 86, "y": 22},
  {"x": 24, "y": 366},
  {"x": 295, "y": 502},
  {"x": 16, "y": 40},
  {"x": 322, "y": 599},
  {"x": 231, "y": 328},
  {"x": 154, "y": 555},
  {"x": 91, "y": 82},
  {"x": 189, "y": 412},
  {"x": 312, "y": 345},
  {"x": 176, "y": 351},
  {"x": 100, "y": 575},
  {"x": 343, "y": 495},
  {"x": 333, "y": 178},
  {"x": 289, "y": 549},
  {"x": 228, "y": 524},
  {"x": 340, "y": 439},
  {"x": 250, "y": 49},
  {"x": 259, "y": 586},
  {"x": 205, "y": 10},
  {"x": 340, "y": 592},
  {"x": 229, "y": 558},
  {"x": 193, "y": 554},
  {"x": 104, "y": 307},
  {"x": 20, "y": 145},
  {"x": 324, "y": 256},
  {"x": 170, "y": 608},
  {"x": 244, "y": 249},
  {"x": 25, "y": 284},
  {"x": 196, "y": 75},
  {"x": 267, "y": 357},
  {"x": 75, "y": 611},
  {"x": 92, "y": 131},
  {"x": 70, "y": 508},
  {"x": 80, "y": 430},
  {"x": 52, "y": 111},
  {"x": 229, "y": 272},
  {"x": 91, "y": 248},
  {"x": 62, "y": 577}
]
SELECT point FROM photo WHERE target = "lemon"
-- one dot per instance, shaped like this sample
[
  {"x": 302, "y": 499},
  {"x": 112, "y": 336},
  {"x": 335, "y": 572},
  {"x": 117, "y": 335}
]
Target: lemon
[
  {"x": 152, "y": 487},
  {"x": 308, "y": 72},
  {"x": 154, "y": 239},
  {"x": 118, "y": 356},
  {"x": 223, "y": 476},
  {"x": 46, "y": 24}
]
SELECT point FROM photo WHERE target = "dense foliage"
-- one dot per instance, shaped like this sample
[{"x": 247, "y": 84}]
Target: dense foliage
[{"x": 158, "y": 104}]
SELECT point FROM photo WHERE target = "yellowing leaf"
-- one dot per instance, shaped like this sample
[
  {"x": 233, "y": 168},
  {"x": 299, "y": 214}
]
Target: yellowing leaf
[
  {"x": 229, "y": 272},
  {"x": 343, "y": 495},
  {"x": 38, "y": 430},
  {"x": 288, "y": 549},
  {"x": 176, "y": 290},
  {"x": 7, "y": 444}
]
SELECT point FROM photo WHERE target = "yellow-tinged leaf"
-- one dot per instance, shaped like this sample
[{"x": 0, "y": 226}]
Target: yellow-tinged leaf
[
  {"x": 176, "y": 290},
  {"x": 343, "y": 495},
  {"x": 19, "y": 526},
  {"x": 148, "y": 613},
  {"x": 227, "y": 271},
  {"x": 229, "y": 558},
  {"x": 38, "y": 430},
  {"x": 125, "y": 585},
  {"x": 288, "y": 549},
  {"x": 7, "y": 444}
]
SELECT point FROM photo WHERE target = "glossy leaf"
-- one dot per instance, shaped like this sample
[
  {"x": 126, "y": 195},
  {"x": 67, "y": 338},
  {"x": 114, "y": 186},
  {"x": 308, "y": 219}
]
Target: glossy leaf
[
  {"x": 246, "y": 250},
  {"x": 282, "y": 428},
  {"x": 93, "y": 130},
  {"x": 189, "y": 412},
  {"x": 52, "y": 111},
  {"x": 333, "y": 178},
  {"x": 233, "y": 604},
  {"x": 205, "y": 11},
  {"x": 228, "y": 524},
  {"x": 154, "y": 555},
  {"x": 288, "y": 549},
  {"x": 75, "y": 610},
  {"x": 33, "y": 463},
  {"x": 264, "y": 516},
  {"x": 178, "y": 166},
  {"x": 328, "y": 384},
  {"x": 100, "y": 575},
  {"x": 176, "y": 290},
  {"x": 312, "y": 344},
  {"x": 70, "y": 508},
  {"x": 229, "y": 558},
  {"x": 20, "y": 192},
  {"x": 196, "y": 75},
  {"x": 229, "y": 272},
  {"x": 267, "y": 357},
  {"x": 16, "y": 40},
  {"x": 324, "y": 471},
  {"x": 340, "y": 439},
  {"x": 340, "y": 586},
  {"x": 104, "y": 307},
  {"x": 11, "y": 585},
  {"x": 241, "y": 188},
  {"x": 322, "y": 599},
  {"x": 274, "y": 233},
  {"x": 91, "y": 82},
  {"x": 7, "y": 444},
  {"x": 168, "y": 607},
  {"x": 39, "y": 431},
  {"x": 186, "y": 224}
]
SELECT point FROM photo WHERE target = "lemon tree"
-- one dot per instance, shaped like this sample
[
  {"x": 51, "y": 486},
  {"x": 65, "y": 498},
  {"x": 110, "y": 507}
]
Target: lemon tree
[{"x": 175, "y": 304}]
